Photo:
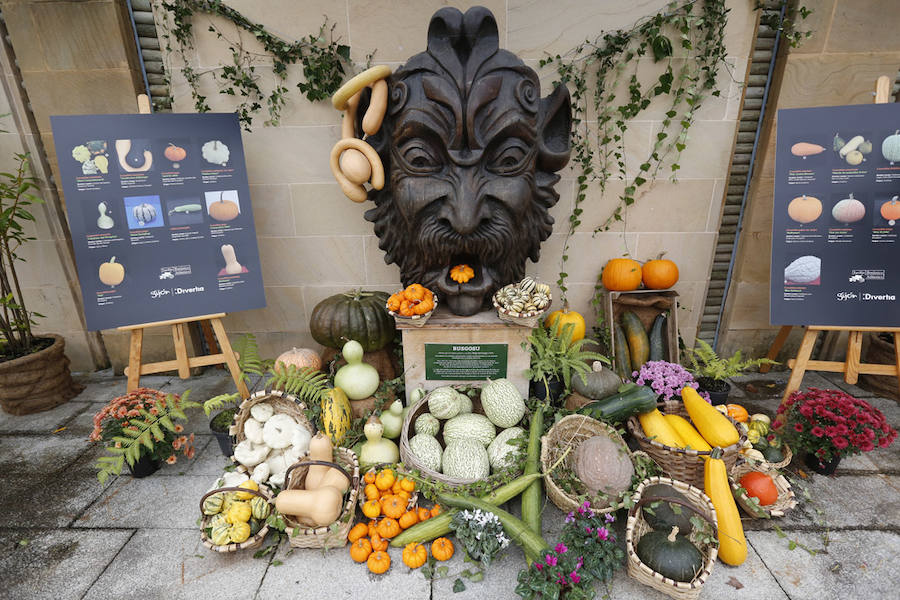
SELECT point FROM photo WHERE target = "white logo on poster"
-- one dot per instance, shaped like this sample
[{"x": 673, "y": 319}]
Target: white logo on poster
[
  {"x": 857, "y": 278},
  {"x": 843, "y": 296}
]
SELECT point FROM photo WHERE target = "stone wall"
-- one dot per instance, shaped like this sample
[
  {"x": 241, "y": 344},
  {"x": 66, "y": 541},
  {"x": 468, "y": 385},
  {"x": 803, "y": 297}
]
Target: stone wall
[{"x": 851, "y": 47}]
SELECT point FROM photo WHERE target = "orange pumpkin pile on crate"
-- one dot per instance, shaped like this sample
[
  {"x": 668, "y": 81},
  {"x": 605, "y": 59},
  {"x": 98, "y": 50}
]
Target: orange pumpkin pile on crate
[{"x": 414, "y": 300}]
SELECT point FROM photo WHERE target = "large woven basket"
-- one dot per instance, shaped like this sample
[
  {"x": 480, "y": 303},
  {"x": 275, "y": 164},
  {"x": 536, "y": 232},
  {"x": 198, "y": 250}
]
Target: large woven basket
[
  {"x": 636, "y": 527},
  {"x": 250, "y": 543},
  {"x": 786, "y": 499},
  {"x": 569, "y": 432},
  {"x": 680, "y": 463},
  {"x": 306, "y": 535}
]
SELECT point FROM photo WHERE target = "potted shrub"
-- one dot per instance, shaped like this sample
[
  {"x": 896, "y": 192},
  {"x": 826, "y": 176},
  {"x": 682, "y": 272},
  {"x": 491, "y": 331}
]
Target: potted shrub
[
  {"x": 34, "y": 370},
  {"x": 712, "y": 372},
  {"x": 555, "y": 358}
]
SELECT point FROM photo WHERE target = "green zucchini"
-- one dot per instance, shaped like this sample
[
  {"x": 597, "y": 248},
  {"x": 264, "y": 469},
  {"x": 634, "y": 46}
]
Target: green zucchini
[
  {"x": 623, "y": 361},
  {"x": 657, "y": 350},
  {"x": 534, "y": 545},
  {"x": 619, "y": 407},
  {"x": 638, "y": 342},
  {"x": 533, "y": 494}
]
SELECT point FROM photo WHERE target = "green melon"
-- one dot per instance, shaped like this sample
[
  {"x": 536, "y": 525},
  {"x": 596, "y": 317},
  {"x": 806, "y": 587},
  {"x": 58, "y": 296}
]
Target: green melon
[
  {"x": 500, "y": 452},
  {"x": 427, "y": 424},
  {"x": 443, "y": 402},
  {"x": 465, "y": 403},
  {"x": 469, "y": 426},
  {"x": 502, "y": 403},
  {"x": 466, "y": 459},
  {"x": 427, "y": 449}
]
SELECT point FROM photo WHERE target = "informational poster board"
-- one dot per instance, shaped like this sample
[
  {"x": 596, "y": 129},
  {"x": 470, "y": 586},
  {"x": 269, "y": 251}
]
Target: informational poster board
[
  {"x": 472, "y": 362},
  {"x": 160, "y": 215},
  {"x": 836, "y": 217}
]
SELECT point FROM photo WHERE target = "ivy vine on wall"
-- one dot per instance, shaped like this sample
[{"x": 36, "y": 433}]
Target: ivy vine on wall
[{"x": 324, "y": 61}]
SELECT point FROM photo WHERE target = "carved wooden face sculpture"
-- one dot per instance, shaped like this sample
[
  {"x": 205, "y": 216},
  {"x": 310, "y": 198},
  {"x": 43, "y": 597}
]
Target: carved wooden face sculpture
[{"x": 471, "y": 152}]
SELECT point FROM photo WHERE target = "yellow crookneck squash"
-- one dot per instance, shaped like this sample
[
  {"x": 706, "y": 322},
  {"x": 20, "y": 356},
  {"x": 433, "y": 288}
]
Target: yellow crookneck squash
[
  {"x": 712, "y": 425},
  {"x": 732, "y": 543}
]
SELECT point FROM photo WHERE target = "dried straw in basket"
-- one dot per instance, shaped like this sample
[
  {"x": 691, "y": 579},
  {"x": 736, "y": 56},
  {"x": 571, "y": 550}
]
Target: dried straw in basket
[
  {"x": 305, "y": 535},
  {"x": 636, "y": 527},
  {"x": 250, "y": 543},
  {"x": 786, "y": 500},
  {"x": 569, "y": 432},
  {"x": 680, "y": 463}
]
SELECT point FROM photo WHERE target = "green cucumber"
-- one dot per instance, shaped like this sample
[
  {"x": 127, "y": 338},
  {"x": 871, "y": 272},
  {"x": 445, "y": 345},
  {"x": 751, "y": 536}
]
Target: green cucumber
[
  {"x": 532, "y": 496},
  {"x": 657, "y": 350},
  {"x": 623, "y": 361},
  {"x": 638, "y": 342},
  {"x": 619, "y": 407}
]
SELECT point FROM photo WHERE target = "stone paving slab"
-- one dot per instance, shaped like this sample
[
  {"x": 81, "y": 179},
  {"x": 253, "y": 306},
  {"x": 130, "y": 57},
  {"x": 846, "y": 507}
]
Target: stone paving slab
[
  {"x": 54, "y": 500},
  {"x": 499, "y": 581},
  {"x": 174, "y": 565},
  {"x": 858, "y": 564},
  {"x": 154, "y": 502},
  {"x": 42, "y": 422},
  {"x": 837, "y": 381},
  {"x": 56, "y": 563},
  {"x": 25, "y": 455},
  {"x": 209, "y": 460},
  {"x": 857, "y": 501}
]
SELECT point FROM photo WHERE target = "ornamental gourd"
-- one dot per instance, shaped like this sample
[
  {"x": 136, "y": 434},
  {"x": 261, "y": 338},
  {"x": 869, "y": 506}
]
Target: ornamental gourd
[
  {"x": 426, "y": 423},
  {"x": 501, "y": 452},
  {"x": 659, "y": 274},
  {"x": 239, "y": 532},
  {"x": 213, "y": 504},
  {"x": 392, "y": 420},
  {"x": 336, "y": 414},
  {"x": 143, "y": 213},
  {"x": 621, "y": 275},
  {"x": 356, "y": 315},
  {"x": 469, "y": 426},
  {"x": 849, "y": 210},
  {"x": 427, "y": 450},
  {"x": 760, "y": 486},
  {"x": 442, "y": 549},
  {"x": 805, "y": 209},
  {"x": 603, "y": 465},
  {"x": 302, "y": 358},
  {"x": 359, "y": 380},
  {"x": 414, "y": 555},
  {"x": 379, "y": 562},
  {"x": 377, "y": 449},
  {"x": 712, "y": 425},
  {"x": 112, "y": 273},
  {"x": 890, "y": 147},
  {"x": 442, "y": 402},
  {"x": 562, "y": 317},
  {"x": 360, "y": 549},
  {"x": 223, "y": 210},
  {"x": 466, "y": 459},
  {"x": 890, "y": 211},
  {"x": 220, "y": 535},
  {"x": 259, "y": 508},
  {"x": 502, "y": 403}
]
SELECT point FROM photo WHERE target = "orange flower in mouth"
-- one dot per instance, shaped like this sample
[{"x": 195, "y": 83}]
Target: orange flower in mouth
[{"x": 462, "y": 273}]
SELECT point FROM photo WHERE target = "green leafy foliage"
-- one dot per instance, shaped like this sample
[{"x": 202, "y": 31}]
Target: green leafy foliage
[
  {"x": 706, "y": 363},
  {"x": 481, "y": 534},
  {"x": 555, "y": 355}
]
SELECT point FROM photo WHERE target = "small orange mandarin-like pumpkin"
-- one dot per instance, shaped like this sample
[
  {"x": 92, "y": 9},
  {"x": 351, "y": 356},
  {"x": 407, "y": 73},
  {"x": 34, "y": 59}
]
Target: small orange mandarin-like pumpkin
[
  {"x": 372, "y": 509},
  {"x": 436, "y": 510},
  {"x": 424, "y": 306},
  {"x": 890, "y": 210},
  {"x": 396, "y": 487},
  {"x": 369, "y": 477},
  {"x": 408, "y": 519},
  {"x": 388, "y": 528},
  {"x": 461, "y": 273},
  {"x": 372, "y": 492},
  {"x": 384, "y": 480},
  {"x": 379, "y": 562},
  {"x": 360, "y": 550},
  {"x": 360, "y": 530},
  {"x": 659, "y": 274},
  {"x": 403, "y": 495},
  {"x": 393, "y": 303},
  {"x": 737, "y": 412},
  {"x": 442, "y": 549},
  {"x": 414, "y": 555},
  {"x": 423, "y": 513},
  {"x": 621, "y": 275},
  {"x": 378, "y": 542},
  {"x": 408, "y": 485},
  {"x": 394, "y": 507},
  {"x": 373, "y": 529}
]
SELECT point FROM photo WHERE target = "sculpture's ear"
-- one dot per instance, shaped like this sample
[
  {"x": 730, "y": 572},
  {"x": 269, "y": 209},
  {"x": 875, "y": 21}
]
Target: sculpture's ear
[{"x": 554, "y": 137}]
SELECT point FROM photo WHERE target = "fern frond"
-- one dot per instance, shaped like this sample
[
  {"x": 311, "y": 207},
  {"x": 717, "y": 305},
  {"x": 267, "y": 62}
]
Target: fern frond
[
  {"x": 307, "y": 384},
  {"x": 249, "y": 361},
  {"x": 219, "y": 402}
]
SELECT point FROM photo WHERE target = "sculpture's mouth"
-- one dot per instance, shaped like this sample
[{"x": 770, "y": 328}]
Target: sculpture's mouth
[{"x": 478, "y": 285}]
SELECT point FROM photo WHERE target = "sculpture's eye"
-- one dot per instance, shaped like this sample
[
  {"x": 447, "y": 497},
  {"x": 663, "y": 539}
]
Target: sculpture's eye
[
  {"x": 509, "y": 158},
  {"x": 419, "y": 158}
]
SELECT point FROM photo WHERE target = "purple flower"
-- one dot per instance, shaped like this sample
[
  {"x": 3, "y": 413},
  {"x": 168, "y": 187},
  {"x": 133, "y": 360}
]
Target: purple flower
[
  {"x": 561, "y": 548},
  {"x": 610, "y": 517},
  {"x": 538, "y": 565},
  {"x": 588, "y": 530},
  {"x": 580, "y": 562},
  {"x": 574, "y": 577},
  {"x": 551, "y": 560},
  {"x": 603, "y": 533}
]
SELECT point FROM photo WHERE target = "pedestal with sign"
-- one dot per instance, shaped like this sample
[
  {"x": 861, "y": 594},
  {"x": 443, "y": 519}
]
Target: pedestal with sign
[{"x": 450, "y": 349}]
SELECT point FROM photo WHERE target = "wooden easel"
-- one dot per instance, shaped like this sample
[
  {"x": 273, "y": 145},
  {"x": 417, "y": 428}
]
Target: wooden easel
[
  {"x": 850, "y": 366},
  {"x": 182, "y": 363}
]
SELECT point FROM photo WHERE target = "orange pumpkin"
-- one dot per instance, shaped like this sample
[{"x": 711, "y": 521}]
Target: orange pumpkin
[
  {"x": 562, "y": 317},
  {"x": 384, "y": 480},
  {"x": 396, "y": 487},
  {"x": 436, "y": 510},
  {"x": 408, "y": 485},
  {"x": 414, "y": 555},
  {"x": 403, "y": 495},
  {"x": 379, "y": 562},
  {"x": 175, "y": 153},
  {"x": 372, "y": 492},
  {"x": 461, "y": 273},
  {"x": 423, "y": 513},
  {"x": 388, "y": 528},
  {"x": 360, "y": 550},
  {"x": 369, "y": 477},
  {"x": 302, "y": 358},
  {"x": 372, "y": 509},
  {"x": 761, "y": 486},
  {"x": 393, "y": 507},
  {"x": 378, "y": 542},
  {"x": 737, "y": 412},
  {"x": 360, "y": 530},
  {"x": 621, "y": 275},
  {"x": 890, "y": 210},
  {"x": 408, "y": 519},
  {"x": 659, "y": 274},
  {"x": 442, "y": 549},
  {"x": 373, "y": 528}
]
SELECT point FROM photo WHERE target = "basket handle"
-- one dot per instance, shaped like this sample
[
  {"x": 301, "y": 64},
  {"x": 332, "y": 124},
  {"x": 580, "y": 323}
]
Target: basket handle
[
  {"x": 648, "y": 499},
  {"x": 287, "y": 474},
  {"x": 231, "y": 489}
]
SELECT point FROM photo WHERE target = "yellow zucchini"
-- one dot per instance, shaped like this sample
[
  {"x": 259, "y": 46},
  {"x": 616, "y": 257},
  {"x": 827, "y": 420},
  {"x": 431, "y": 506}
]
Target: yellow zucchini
[
  {"x": 690, "y": 436},
  {"x": 712, "y": 425},
  {"x": 657, "y": 428},
  {"x": 732, "y": 543}
]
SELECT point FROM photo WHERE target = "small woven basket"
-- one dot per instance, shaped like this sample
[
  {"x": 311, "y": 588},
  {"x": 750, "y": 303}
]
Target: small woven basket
[
  {"x": 788, "y": 455},
  {"x": 361, "y": 496},
  {"x": 250, "y": 543},
  {"x": 412, "y": 462},
  {"x": 527, "y": 319},
  {"x": 415, "y": 320},
  {"x": 571, "y": 431},
  {"x": 307, "y": 535},
  {"x": 786, "y": 499},
  {"x": 636, "y": 527},
  {"x": 680, "y": 463}
]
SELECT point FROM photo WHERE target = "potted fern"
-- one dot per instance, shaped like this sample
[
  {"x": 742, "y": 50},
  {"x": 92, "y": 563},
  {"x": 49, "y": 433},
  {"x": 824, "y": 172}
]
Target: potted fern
[
  {"x": 713, "y": 372},
  {"x": 555, "y": 359}
]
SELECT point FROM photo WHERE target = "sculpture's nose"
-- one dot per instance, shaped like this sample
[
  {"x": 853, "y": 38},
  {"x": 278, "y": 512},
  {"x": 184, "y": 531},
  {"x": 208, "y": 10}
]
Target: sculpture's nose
[{"x": 468, "y": 208}]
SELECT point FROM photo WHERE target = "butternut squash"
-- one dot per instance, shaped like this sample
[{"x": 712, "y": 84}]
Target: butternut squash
[
  {"x": 690, "y": 436},
  {"x": 320, "y": 448},
  {"x": 712, "y": 425},
  {"x": 657, "y": 428},
  {"x": 336, "y": 479},
  {"x": 319, "y": 507},
  {"x": 732, "y": 543}
]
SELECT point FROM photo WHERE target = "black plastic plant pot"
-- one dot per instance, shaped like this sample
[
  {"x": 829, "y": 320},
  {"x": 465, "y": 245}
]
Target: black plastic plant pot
[
  {"x": 717, "y": 389},
  {"x": 143, "y": 467},
  {"x": 822, "y": 467},
  {"x": 220, "y": 430},
  {"x": 539, "y": 391}
]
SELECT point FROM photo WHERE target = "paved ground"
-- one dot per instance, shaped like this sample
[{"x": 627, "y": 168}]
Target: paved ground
[{"x": 63, "y": 535}]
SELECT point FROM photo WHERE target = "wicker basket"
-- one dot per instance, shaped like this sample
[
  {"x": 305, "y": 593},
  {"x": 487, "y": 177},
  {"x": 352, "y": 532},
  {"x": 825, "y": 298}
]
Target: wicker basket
[
  {"x": 636, "y": 527},
  {"x": 415, "y": 320},
  {"x": 307, "y": 535},
  {"x": 250, "y": 543},
  {"x": 526, "y": 319},
  {"x": 786, "y": 500},
  {"x": 571, "y": 431},
  {"x": 680, "y": 463},
  {"x": 361, "y": 495},
  {"x": 412, "y": 462},
  {"x": 788, "y": 455}
]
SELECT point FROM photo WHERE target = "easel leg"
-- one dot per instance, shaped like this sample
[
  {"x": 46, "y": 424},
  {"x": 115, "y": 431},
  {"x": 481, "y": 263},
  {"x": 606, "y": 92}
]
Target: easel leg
[
  {"x": 897, "y": 355},
  {"x": 803, "y": 354},
  {"x": 181, "y": 357},
  {"x": 851, "y": 364},
  {"x": 230, "y": 359},
  {"x": 776, "y": 346},
  {"x": 134, "y": 359}
]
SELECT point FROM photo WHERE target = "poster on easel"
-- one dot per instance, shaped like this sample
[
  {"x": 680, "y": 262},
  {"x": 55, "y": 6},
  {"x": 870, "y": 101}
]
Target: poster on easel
[
  {"x": 836, "y": 217},
  {"x": 160, "y": 215}
]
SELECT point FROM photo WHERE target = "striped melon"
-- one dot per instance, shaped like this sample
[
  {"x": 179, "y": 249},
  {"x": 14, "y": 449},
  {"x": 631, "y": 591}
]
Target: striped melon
[
  {"x": 502, "y": 403},
  {"x": 427, "y": 449},
  {"x": 466, "y": 459},
  {"x": 443, "y": 402},
  {"x": 427, "y": 424},
  {"x": 469, "y": 426},
  {"x": 465, "y": 403},
  {"x": 500, "y": 452}
]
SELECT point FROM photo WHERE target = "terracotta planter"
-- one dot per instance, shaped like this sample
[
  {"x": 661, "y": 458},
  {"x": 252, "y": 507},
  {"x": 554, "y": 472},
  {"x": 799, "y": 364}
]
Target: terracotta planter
[{"x": 39, "y": 381}]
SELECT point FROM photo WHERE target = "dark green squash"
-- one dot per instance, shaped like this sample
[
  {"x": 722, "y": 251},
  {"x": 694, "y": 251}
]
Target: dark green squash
[
  {"x": 618, "y": 407},
  {"x": 597, "y": 384},
  {"x": 663, "y": 515},
  {"x": 670, "y": 554},
  {"x": 623, "y": 360},
  {"x": 638, "y": 341},
  {"x": 772, "y": 454},
  {"x": 657, "y": 349},
  {"x": 354, "y": 315}
]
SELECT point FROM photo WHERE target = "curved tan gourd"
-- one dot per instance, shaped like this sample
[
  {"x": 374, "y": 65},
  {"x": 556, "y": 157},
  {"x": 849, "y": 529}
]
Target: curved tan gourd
[
  {"x": 366, "y": 78},
  {"x": 371, "y": 122},
  {"x": 347, "y": 128},
  {"x": 355, "y": 191}
]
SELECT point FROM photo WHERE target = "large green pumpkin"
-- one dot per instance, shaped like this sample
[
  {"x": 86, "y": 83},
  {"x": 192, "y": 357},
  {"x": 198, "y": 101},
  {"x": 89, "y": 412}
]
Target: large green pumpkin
[{"x": 354, "y": 315}]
